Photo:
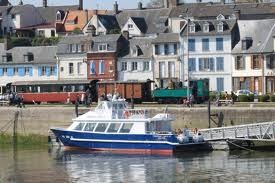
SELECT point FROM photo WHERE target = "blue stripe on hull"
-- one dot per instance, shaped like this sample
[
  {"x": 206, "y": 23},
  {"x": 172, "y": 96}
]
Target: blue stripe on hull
[{"x": 116, "y": 141}]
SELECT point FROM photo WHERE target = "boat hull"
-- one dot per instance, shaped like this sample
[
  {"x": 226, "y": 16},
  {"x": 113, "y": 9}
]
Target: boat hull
[{"x": 124, "y": 143}]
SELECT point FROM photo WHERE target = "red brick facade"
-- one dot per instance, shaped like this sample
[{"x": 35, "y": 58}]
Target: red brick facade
[{"x": 109, "y": 61}]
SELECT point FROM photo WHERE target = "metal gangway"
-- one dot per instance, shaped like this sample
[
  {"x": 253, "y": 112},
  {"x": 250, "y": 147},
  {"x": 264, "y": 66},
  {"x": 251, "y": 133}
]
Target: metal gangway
[{"x": 249, "y": 131}]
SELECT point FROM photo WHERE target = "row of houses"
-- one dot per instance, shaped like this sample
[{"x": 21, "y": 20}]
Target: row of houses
[{"x": 231, "y": 44}]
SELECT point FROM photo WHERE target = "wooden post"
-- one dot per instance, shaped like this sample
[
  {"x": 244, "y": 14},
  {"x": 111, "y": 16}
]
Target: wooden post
[
  {"x": 209, "y": 115},
  {"x": 15, "y": 128}
]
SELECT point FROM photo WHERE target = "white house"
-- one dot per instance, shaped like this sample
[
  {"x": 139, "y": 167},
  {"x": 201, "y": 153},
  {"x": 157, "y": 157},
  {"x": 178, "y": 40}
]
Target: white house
[
  {"x": 136, "y": 26},
  {"x": 207, "y": 46},
  {"x": 137, "y": 65}
]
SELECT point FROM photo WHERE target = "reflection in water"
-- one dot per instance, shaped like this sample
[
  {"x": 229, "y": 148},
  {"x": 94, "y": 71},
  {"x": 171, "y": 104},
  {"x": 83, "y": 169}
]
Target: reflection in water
[{"x": 56, "y": 165}]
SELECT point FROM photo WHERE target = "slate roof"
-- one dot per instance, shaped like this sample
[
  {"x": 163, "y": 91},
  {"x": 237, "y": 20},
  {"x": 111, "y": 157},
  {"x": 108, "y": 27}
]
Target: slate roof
[
  {"x": 49, "y": 13},
  {"x": 167, "y": 38},
  {"x": 140, "y": 23},
  {"x": 108, "y": 21},
  {"x": 142, "y": 43},
  {"x": 260, "y": 31},
  {"x": 155, "y": 19},
  {"x": 42, "y": 54},
  {"x": 21, "y": 9},
  {"x": 110, "y": 39},
  {"x": 62, "y": 46},
  {"x": 228, "y": 26},
  {"x": 208, "y": 10}
]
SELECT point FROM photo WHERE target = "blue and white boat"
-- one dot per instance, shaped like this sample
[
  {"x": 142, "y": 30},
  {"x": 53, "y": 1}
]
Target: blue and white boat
[{"x": 112, "y": 126}]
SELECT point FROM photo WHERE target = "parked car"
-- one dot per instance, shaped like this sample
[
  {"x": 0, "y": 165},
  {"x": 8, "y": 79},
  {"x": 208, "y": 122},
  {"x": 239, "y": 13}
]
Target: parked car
[{"x": 243, "y": 92}]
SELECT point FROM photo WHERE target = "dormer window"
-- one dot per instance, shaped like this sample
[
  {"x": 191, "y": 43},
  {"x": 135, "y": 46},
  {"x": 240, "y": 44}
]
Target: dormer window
[
  {"x": 58, "y": 16},
  {"x": 13, "y": 16},
  {"x": 28, "y": 57},
  {"x": 192, "y": 28},
  {"x": 220, "y": 17},
  {"x": 246, "y": 43},
  {"x": 220, "y": 27},
  {"x": 102, "y": 47},
  {"x": 7, "y": 57},
  {"x": 134, "y": 51},
  {"x": 206, "y": 27}
]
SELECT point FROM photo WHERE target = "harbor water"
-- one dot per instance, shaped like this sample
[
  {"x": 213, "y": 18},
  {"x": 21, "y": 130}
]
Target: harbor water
[{"x": 57, "y": 165}]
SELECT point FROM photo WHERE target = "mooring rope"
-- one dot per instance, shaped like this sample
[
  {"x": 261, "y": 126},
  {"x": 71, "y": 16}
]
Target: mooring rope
[{"x": 240, "y": 146}]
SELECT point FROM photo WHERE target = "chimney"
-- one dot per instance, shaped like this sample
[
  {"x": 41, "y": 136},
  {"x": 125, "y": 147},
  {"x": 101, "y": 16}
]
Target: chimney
[
  {"x": 115, "y": 8},
  {"x": 125, "y": 34},
  {"x": 80, "y": 5},
  {"x": 237, "y": 14},
  {"x": 170, "y": 3},
  {"x": 140, "y": 5},
  {"x": 45, "y": 3}
]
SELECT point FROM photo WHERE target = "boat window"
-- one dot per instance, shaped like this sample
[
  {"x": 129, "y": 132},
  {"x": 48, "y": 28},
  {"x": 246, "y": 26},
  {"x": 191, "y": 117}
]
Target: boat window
[
  {"x": 114, "y": 127},
  {"x": 101, "y": 127},
  {"x": 114, "y": 106},
  {"x": 126, "y": 128},
  {"x": 120, "y": 106},
  {"x": 89, "y": 127},
  {"x": 79, "y": 126}
]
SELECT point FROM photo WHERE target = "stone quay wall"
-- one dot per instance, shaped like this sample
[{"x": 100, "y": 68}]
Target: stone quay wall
[{"x": 38, "y": 120}]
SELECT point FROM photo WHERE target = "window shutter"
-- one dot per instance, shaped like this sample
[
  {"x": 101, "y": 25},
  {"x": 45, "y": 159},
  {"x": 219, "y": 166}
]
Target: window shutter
[
  {"x": 48, "y": 71},
  {"x": 10, "y": 71},
  {"x": 39, "y": 71},
  {"x": 30, "y": 71},
  {"x": 212, "y": 64},
  {"x": 1, "y": 72},
  {"x": 21, "y": 71},
  {"x": 200, "y": 63}
]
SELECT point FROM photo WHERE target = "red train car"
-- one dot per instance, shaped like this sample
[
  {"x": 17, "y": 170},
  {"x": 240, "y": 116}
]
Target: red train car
[
  {"x": 50, "y": 91},
  {"x": 136, "y": 90}
]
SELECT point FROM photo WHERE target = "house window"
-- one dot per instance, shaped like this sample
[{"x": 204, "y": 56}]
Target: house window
[
  {"x": 220, "y": 27},
  {"x": 82, "y": 48},
  {"x": 102, "y": 47},
  {"x": 239, "y": 63},
  {"x": 62, "y": 69},
  {"x": 71, "y": 68},
  {"x": 58, "y": 16},
  {"x": 171, "y": 69},
  {"x": 111, "y": 68},
  {"x": 206, "y": 28},
  {"x": 92, "y": 68},
  {"x": 191, "y": 45},
  {"x": 166, "y": 49},
  {"x": 192, "y": 28},
  {"x": 161, "y": 69},
  {"x": 205, "y": 44},
  {"x": 123, "y": 66},
  {"x": 157, "y": 49},
  {"x": 175, "y": 49},
  {"x": 219, "y": 44},
  {"x": 101, "y": 67},
  {"x": 29, "y": 57},
  {"x": 41, "y": 33},
  {"x": 7, "y": 57},
  {"x": 52, "y": 33},
  {"x": 134, "y": 66},
  {"x": 73, "y": 48},
  {"x": 192, "y": 64},
  {"x": 220, "y": 84},
  {"x": 27, "y": 70},
  {"x": 15, "y": 71},
  {"x": 270, "y": 63},
  {"x": 219, "y": 63},
  {"x": 79, "y": 68},
  {"x": 146, "y": 66},
  {"x": 256, "y": 62},
  {"x": 52, "y": 70},
  {"x": 78, "y": 48},
  {"x": 206, "y": 64},
  {"x": 130, "y": 26},
  {"x": 43, "y": 71},
  {"x": 13, "y": 16}
]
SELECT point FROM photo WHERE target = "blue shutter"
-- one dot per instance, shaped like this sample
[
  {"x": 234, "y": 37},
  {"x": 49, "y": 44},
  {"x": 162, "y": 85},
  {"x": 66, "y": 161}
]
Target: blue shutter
[
  {"x": 212, "y": 64},
  {"x": 30, "y": 71},
  {"x": 39, "y": 71},
  {"x": 200, "y": 64},
  {"x": 21, "y": 71},
  {"x": 48, "y": 71},
  {"x": 220, "y": 84},
  {"x": 10, "y": 71},
  {"x": 1, "y": 72}
]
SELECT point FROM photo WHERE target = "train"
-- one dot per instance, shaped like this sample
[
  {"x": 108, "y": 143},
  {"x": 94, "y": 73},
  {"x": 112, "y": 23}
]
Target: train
[
  {"x": 66, "y": 91},
  {"x": 198, "y": 89}
]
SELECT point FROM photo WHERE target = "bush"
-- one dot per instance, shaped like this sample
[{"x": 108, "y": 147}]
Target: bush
[
  {"x": 272, "y": 98},
  {"x": 243, "y": 98},
  {"x": 212, "y": 96},
  {"x": 263, "y": 98},
  {"x": 251, "y": 97}
]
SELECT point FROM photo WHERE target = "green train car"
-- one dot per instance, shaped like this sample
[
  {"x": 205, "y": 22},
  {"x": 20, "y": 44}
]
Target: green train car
[{"x": 198, "y": 88}]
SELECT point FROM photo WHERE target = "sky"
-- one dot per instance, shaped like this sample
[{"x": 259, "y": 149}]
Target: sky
[{"x": 88, "y": 4}]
